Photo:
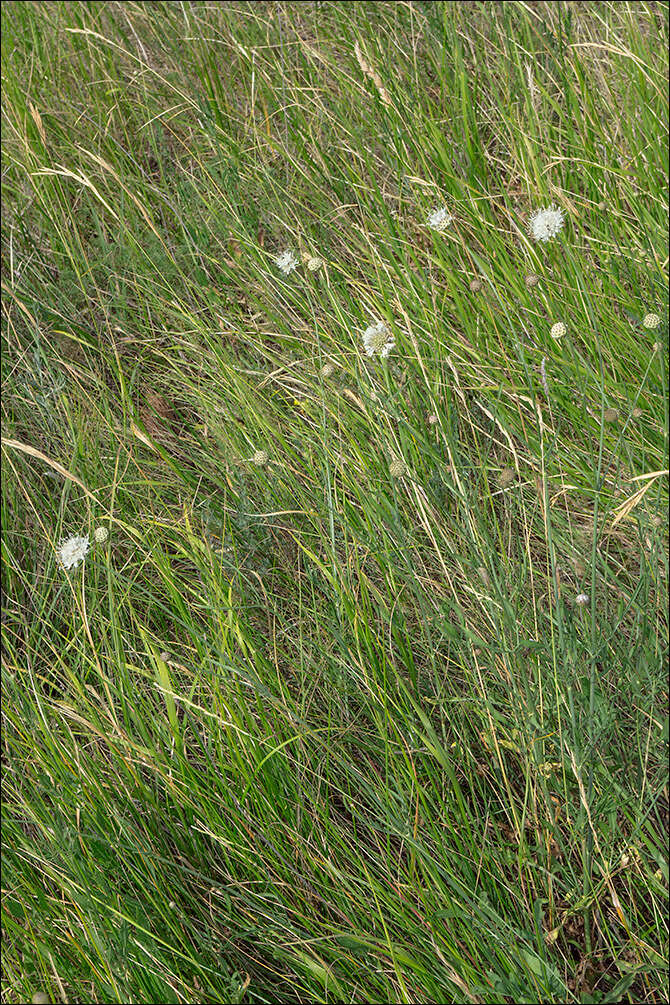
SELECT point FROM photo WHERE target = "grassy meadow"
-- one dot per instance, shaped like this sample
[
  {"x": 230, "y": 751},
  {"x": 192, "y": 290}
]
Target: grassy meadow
[{"x": 360, "y": 691}]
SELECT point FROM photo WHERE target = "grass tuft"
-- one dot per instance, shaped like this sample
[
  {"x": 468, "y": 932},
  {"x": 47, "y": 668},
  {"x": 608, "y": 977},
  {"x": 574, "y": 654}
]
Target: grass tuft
[{"x": 364, "y": 695}]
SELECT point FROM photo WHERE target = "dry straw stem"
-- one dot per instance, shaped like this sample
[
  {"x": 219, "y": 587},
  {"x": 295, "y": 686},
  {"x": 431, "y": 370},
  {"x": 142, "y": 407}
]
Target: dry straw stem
[{"x": 624, "y": 510}]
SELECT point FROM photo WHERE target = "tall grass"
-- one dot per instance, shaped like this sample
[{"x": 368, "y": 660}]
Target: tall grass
[{"x": 323, "y": 726}]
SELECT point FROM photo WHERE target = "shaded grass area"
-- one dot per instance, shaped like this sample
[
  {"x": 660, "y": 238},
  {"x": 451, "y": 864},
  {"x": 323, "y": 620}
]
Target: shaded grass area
[{"x": 322, "y": 720}]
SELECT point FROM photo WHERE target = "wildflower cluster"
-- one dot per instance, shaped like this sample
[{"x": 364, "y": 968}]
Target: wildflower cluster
[{"x": 72, "y": 551}]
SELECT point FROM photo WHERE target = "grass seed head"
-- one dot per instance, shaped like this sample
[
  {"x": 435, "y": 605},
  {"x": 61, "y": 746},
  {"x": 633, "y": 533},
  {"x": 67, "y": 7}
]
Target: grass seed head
[
  {"x": 507, "y": 477},
  {"x": 543, "y": 375}
]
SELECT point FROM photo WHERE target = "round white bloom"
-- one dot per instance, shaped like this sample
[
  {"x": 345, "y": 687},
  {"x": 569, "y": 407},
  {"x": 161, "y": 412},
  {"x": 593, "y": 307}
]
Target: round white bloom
[
  {"x": 286, "y": 262},
  {"x": 260, "y": 458},
  {"x": 73, "y": 551},
  {"x": 651, "y": 321},
  {"x": 377, "y": 340},
  {"x": 581, "y": 599},
  {"x": 100, "y": 534},
  {"x": 327, "y": 370},
  {"x": 558, "y": 330},
  {"x": 439, "y": 219},
  {"x": 313, "y": 264},
  {"x": 546, "y": 223}
]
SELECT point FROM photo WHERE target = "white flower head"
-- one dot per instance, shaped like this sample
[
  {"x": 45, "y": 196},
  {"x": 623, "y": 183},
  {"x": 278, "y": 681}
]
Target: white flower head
[
  {"x": 73, "y": 551},
  {"x": 582, "y": 599},
  {"x": 558, "y": 330},
  {"x": 651, "y": 321},
  {"x": 286, "y": 262},
  {"x": 397, "y": 469},
  {"x": 314, "y": 264},
  {"x": 546, "y": 223},
  {"x": 260, "y": 458},
  {"x": 100, "y": 535},
  {"x": 440, "y": 219},
  {"x": 377, "y": 340}
]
